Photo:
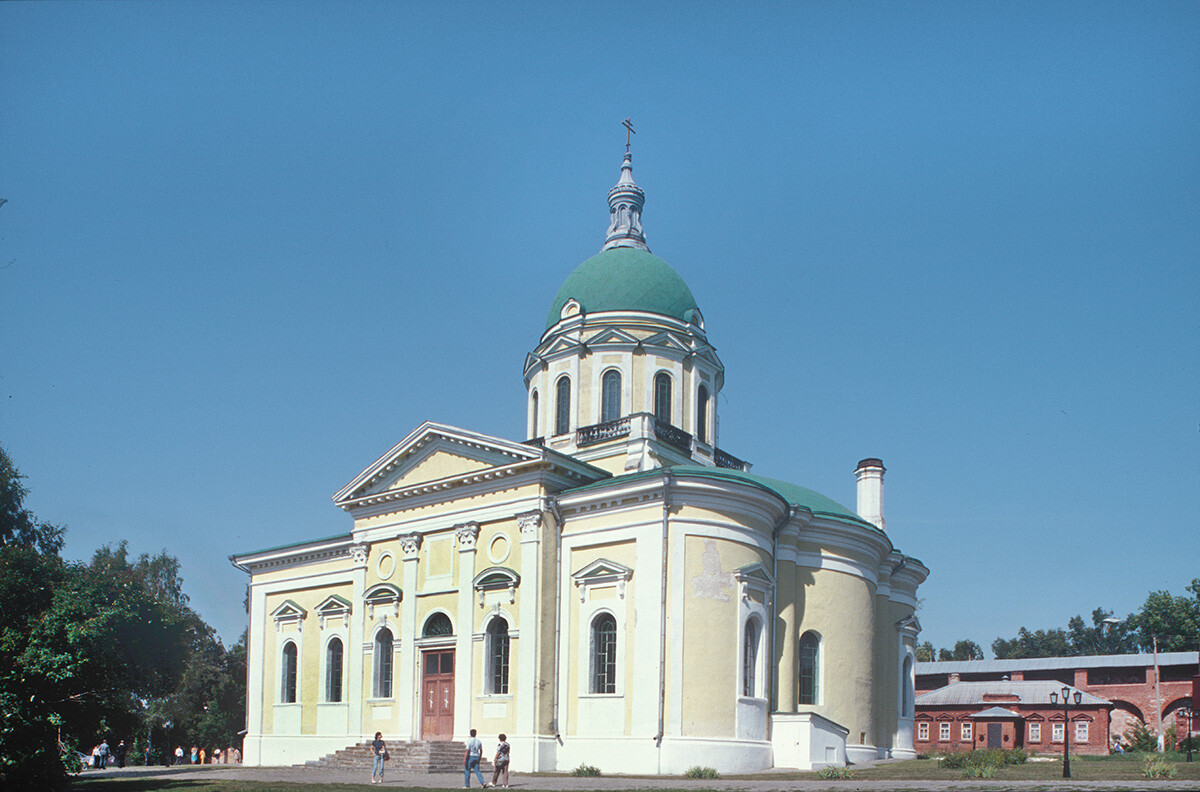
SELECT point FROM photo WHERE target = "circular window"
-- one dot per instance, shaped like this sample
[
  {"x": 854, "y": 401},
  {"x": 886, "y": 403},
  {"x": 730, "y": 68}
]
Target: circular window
[
  {"x": 386, "y": 566},
  {"x": 498, "y": 549}
]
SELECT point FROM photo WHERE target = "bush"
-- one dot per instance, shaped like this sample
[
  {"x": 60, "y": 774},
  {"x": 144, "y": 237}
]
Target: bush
[
  {"x": 1156, "y": 766},
  {"x": 980, "y": 771},
  {"x": 985, "y": 757},
  {"x": 702, "y": 772},
  {"x": 586, "y": 770},
  {"x": 833, "y": 772}
]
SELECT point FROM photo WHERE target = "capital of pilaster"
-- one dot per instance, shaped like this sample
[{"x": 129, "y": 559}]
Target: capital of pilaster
[
  {"x": 468, "y": 534},
  {"x": 358, "y": 554},
  {"x": 530, "y": 524},
  {"x": 411, "y": 545}
]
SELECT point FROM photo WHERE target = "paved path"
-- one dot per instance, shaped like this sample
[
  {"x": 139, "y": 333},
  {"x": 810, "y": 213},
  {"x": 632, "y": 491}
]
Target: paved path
[{"x": 764, "y": 782}]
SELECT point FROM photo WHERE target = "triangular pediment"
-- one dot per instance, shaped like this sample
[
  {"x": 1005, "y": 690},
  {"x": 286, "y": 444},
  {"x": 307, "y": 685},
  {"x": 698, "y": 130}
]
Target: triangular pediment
[
  {"x": 435, "y": 453},
  {"x": 612, "y": 336},
  {"x": 755, "y": 576},
  {"x": 288, "y": 610},
  {"x": 561, "y": 345},
  {"x": 334, "y": 605},
  {"x": 668, "y": 340},
  {"x": 601, "y": 569}
]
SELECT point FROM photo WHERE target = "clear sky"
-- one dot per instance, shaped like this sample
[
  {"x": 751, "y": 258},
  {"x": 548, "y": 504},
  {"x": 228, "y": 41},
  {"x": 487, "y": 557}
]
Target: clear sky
[{"x": 250, "y": 246}]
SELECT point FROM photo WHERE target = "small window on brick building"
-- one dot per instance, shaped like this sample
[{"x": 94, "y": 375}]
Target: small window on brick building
[
  {"x": 1035, "y": 732},
  {"x": 1056, "y": 732},
  {"x": 966, "y": 732},
  {"x": 1081, "y": 731},
  {"x": 944, "y": 731},
  {"x": 922, "y": 731}
]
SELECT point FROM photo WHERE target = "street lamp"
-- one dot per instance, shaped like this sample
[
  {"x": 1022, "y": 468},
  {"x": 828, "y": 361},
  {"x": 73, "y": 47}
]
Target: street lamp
[
  {"x": 1066, "y": 699},
  {"x": 1187, "y": 714}
]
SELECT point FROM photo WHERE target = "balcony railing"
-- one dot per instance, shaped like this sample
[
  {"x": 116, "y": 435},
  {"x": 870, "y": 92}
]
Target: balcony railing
[
  {"x": 673, "y": 435},
  {"x": 601, "y": 432},
  {"x": 724, "y": 460}
]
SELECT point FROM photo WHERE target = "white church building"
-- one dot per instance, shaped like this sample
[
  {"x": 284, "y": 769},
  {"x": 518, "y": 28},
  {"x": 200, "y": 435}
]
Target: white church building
[{"x": 613, "y": 589}]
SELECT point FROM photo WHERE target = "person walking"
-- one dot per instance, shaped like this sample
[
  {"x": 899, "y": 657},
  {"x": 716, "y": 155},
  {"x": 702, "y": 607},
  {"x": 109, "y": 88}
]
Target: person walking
[
  {"x": 178, "y": 754},
  {"x": 103, "y": 753},
  {"x": 121, "y": 749},
  {"x": 471, "y": 762},
  {"x": 501, "y": 762},
  {"x": 380, "y": 751}
]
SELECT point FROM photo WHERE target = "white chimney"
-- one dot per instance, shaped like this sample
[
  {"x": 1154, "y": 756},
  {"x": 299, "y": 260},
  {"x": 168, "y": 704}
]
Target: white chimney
[{"x": 869, "y": 474}]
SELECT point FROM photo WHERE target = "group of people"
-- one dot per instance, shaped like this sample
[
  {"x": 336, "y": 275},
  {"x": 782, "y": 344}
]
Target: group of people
[
  {"x": 200, "y": 756},
  {"x": 102, "y": 756},
  {"x": 474, "y": 756}
]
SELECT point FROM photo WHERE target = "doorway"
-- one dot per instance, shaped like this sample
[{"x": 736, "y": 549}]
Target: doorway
[
  {"x": 437, "y": 694},
  {"x": 994, "y": 732}
]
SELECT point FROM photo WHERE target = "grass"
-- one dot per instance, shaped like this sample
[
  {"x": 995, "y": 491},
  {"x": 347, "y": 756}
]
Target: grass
[{"x": 1124, "y": 770}]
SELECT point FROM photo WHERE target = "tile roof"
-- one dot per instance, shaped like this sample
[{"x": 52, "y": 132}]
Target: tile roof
[
  {"x": 1054, "y": 663},
  {"x": 970, "y": 694}
]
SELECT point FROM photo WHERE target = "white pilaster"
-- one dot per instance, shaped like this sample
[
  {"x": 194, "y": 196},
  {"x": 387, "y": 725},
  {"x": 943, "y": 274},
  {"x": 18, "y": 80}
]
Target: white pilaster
[
  {"x": 525, "y": 684},
  {"x": 408, "y": 686},
  {"x": 467, "y": 535},
  {"x": 255, "y": 662},
  {"x": 354, "y": 654}
]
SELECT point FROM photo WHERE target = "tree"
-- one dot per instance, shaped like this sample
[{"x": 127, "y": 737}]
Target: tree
[
  {"x": 1042, "y": 643},
  {"x": 18, "y": 526},
  {"x": 925, "y": 652},
  {"x": 1175, "y": 620}
]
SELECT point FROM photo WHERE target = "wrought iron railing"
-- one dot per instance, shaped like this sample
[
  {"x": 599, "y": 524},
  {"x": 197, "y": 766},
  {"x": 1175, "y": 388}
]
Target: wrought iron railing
[
  {"x": 724, "y": 460},
  {"x": 599, "y": 433},
  {"x": 673, "y": 435}
]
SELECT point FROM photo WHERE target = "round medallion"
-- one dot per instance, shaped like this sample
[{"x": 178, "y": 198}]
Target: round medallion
[
  {"x": 498, "y": 549},
  {"x": 386, "y": 565}
]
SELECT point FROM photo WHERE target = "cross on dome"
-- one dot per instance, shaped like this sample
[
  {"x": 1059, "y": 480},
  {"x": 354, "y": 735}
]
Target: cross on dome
[{"x": 625, "y": 202}]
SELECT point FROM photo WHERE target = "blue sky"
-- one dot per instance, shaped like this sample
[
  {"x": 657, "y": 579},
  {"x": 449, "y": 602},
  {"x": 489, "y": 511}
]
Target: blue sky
[{"x": 249, "y": 246}]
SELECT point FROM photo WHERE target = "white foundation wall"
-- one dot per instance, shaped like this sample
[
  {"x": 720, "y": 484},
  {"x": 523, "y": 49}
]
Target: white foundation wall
[
  {"x": 269, "y": 750},
  {"x": 675, "y": 755},
  {"x": 807, "y": 741}
]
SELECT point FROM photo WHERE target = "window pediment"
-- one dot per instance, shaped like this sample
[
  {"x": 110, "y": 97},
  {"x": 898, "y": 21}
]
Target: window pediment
[
  {"x": 754, "y": 578},
  {"x": 499, "y": 579},
  {"x": 288, "y": 612},
  {"x": 333, "y": 607},
  {"x": 381, "y": 596},
  {"x": 602, "y": 573}
]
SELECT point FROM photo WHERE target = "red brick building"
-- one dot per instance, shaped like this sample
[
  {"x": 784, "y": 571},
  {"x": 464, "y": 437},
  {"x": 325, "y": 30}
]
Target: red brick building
[
  {"x": 1128, "y": 681},
  {"x": 965, "y": 716}
]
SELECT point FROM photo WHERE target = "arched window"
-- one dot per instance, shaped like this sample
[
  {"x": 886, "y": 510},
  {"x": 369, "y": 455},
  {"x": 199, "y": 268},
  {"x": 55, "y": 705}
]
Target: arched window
[
  {"x": 610, "y": 400},
  {"x": 702, "y": 415},
  {"x": 604, "y": 654},
  {"x": 810, "y": 669},
  {"x": 906, "y": 701},
  {"x": 750, "y": 659},
  {"x": 333, "y": 670},
  {"x": 562, "y": 406},
  {"x": 287, "y": 692},
  {"x": 662, "y": 397},
  {"x": 533, "y": 421},
  {"x": 437, "y": 625},
  {"x": 382, "y": 686},
  {"x": 497, "y": 656}
]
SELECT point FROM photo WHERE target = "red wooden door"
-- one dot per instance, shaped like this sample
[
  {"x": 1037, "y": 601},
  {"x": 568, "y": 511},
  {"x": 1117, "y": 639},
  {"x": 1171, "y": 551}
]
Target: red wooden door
[{"x": 437, "y": 696}]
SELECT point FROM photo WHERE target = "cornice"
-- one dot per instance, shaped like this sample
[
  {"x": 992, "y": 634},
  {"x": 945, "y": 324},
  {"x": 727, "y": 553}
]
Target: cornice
[{"x": 294, "y": 555}]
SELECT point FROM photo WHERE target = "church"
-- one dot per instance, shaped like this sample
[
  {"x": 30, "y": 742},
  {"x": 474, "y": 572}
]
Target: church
[{"x": 613, "y": 590}]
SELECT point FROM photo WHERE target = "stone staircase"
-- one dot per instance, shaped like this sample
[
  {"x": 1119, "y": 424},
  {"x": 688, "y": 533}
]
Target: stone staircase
[{"x": 420, "y": 757}]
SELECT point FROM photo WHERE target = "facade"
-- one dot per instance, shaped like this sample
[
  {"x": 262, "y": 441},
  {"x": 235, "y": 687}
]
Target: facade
[
  {"x": 615, "y": 590},
  {"x": 966, "y": 716},
  {"x": 1140, "y": 691}
]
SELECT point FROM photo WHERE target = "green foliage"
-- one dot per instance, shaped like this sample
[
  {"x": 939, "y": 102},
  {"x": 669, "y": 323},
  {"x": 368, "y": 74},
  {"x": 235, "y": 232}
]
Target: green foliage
[
  {"x": 99, "y": 650},
  {"x": 963, "y": 650},
  {"x": 1175, "y": 620},
  {"x": 1141, "y": 738},
  {"x": 986, "y": 757},
  {"x": 980, "y": 771},
  {"x": 586, "y": 770},
  {"x": 1156, "y": 766},
  {"x": 702, "y": 772},
  {"x": 835, "y": 773},
  {"x": 925, "y": 652}
]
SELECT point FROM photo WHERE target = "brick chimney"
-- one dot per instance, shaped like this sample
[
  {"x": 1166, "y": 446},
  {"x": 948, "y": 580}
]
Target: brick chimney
[{"x": 869, "y": 475}]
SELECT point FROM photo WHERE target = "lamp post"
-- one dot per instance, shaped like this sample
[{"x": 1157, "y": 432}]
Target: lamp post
[
  {"x": 1187, "y": 713},
  {"x": 1066, "y": 700}
]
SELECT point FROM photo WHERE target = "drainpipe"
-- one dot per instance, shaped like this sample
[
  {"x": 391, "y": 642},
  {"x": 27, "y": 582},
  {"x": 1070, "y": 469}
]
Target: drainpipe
[
  {"x": 662, "y": 620},
  {"x": 552, "y": 503}
]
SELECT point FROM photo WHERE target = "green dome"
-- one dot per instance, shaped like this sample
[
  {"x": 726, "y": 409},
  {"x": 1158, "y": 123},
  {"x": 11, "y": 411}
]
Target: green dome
[{"x": 625, "y": 279}]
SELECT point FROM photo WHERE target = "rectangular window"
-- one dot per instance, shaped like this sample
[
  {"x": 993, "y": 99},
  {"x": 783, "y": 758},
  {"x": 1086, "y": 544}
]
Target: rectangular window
[
  {"x": 1081, "y": 731},
  {"x": 1035, "y": 732},
  {"x": 922, "y": 731},
  {"x": 965, "y": 733},
  {"x": 943, "y": 731},
  {"x": 1056, "y": 732}
]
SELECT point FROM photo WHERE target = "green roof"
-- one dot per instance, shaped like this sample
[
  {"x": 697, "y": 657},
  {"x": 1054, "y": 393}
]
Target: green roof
[
  {"x": 625, "y": 279},
  {"x": 793, "y": 494}
]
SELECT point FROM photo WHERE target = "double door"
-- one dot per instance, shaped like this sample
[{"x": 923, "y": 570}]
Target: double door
[{"x": 437, "y": 694}]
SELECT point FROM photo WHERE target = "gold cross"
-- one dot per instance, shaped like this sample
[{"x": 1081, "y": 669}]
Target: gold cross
[{"x": 628, "y": 130}]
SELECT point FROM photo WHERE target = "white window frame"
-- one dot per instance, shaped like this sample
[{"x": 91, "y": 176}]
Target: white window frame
[
  {"x": 756, "y": 590},
  {"x": 294, "y": 642},
  {"x": 819, "y": 674},
  {"x": 923, "y": 731},
  {"x": 944, "y": 731},
  {"x": 1056, "y": 732},
  {"x": 325, "y": 669},
  {"x": 488, "y": 682},
  {"x": 376, "y": 659},
  {"x": 1035, "y": 732},
  {"x": 1081, "y": 731},
  {"x": 965, "y": 732}
]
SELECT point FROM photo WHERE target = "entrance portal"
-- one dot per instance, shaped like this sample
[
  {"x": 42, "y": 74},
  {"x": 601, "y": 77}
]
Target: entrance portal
[
  {"x": 437, "y": 694},
  {"x": 994, "y": 732}
]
